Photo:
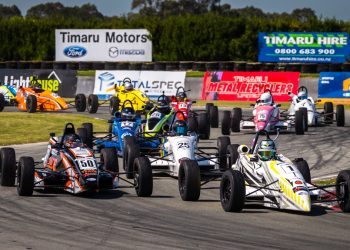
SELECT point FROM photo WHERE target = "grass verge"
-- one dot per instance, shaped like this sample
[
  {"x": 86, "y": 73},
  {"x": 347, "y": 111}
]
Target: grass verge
[{"x": 20, "y": 128}]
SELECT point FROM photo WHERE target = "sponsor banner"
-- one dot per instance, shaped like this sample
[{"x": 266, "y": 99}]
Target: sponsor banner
[
  {"x": 304, "y": 47},
  {"x": 63, "y": 82},
  {"x": 248, "y": 86},
  {"x": 153, "y": 83},
  {"x": 115, "y": 45},
  {"x": 334, "y": 85}
]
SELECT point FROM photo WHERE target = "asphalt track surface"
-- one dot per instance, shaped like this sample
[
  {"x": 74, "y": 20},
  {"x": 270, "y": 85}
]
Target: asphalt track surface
[{"x": 121, "y": 220}]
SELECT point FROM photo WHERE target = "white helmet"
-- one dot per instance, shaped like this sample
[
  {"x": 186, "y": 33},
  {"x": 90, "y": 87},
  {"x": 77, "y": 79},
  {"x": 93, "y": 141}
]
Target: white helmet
[
  {"x": 128, "y": 84},
  {"x": 302, "y": 95},
  {"x": 266, "y": 98}
]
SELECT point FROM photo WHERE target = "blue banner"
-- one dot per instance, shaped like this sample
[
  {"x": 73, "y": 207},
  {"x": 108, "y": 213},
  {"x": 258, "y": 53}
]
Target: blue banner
[
  {"x": 304, "y": 47},
  {"x": 334, "y": 85}
]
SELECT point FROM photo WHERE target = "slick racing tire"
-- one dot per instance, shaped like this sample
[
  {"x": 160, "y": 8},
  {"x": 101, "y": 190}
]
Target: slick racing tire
[
  {"x": 304, "y": 169},
  {"x": 31, "y": 104},
  {"x": 82, "y": 133},
  {"x": 80, "y": 102},
  {"x": 92, "y": 105},
  {"x": 25, "y": 176},
  {"x": 203, "y": 126},
  {"x": 131, "y": 152},
  {"x": 226, "y": 123},
  {"x": 208, "y": 107},
  {"x": 236, "y": 119},
  {"x": 2, "y": 102},
  {"x": 299, "y": 122},
  {"x": 222, "y": 143},
  {"x": 113, "y": 105},
  {"x": 109, "y": 160},
  {"x": 340, "y": 115},
  {"x": 192, "y": 124},
  {"x": 189, "y": 180},
  {"x": 89, "y": 133},
  {"x": 232, "y": 191},
  {"x": 343, "y": 190},
  {"x": 143, "y": 180},
  {"x": 306, "y": 120},
  {"x": 8, "y": 166},
  {"x": 214, "y": 116},
  {"x": 233, "y": 154},
  {"x": 328, "y": 112}
]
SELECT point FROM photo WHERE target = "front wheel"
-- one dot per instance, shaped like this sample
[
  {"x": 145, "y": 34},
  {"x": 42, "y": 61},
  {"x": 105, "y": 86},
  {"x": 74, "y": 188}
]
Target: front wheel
[
  {"x": 236, "y": 119},
  {"x": 340, "y": 115},
  {"x": 143, "y": 179},
  {"x": 31, "y": 103},
  {"x": 226, "y": 123},
  {"x": 2, "y": 102},
  {"x": 25, "y": 176},
  {"x": 189, "y": 180},
  {"x": 299, "y": 122},
  {"x": 109, "y": 160},
  {"x": 214, "y": 116},
  {"x": 328, "y": 112},
  {"x": 203, "y": 126},
  {"x": 131, "y": 152},
  {"x": 232, "y": 191},
  {"x": 222, "y": 143},
  {"x": 113, "y": 105},
  {"x": 92, "y": 104},
  {"x": 80, "y": 102},
  {"x": 304, "y": 169},
  {"x": 343, "y": 190},
  {"x": 8, "y": 166}
]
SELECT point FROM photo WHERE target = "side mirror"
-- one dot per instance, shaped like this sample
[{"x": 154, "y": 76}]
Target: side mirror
[{"x": 254, "y": 158}]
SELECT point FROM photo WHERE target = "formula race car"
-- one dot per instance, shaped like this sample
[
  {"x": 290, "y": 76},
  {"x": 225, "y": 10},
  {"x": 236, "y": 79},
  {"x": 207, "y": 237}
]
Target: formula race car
[
  {"x": 302, "y": 101},
  {"x": 259, "y": 174},
  {"x": 7, "y": 96},
  {"x": 181, "y": 157},
  {"x": 139, "y": 100},
  {"x": 266, "y": 116},
  {"x": 68, "y": 165}
]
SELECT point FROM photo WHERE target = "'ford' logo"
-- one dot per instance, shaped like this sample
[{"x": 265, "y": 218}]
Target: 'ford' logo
[{"x": 75, "y": 51}]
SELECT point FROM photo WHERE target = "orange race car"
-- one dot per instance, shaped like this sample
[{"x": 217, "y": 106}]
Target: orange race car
[{"x": 35, "y": 98}]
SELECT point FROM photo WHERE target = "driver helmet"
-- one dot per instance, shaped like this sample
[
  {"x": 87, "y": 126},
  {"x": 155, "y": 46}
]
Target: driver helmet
[
  {"x": 72, "y": 141},
  {"x": 302, "y": 95},
  {"x": 128, "y": 84},
  {"x": 128, "y": 113},
  {"x": 180, "y": 127},
  {"x": 181, "y": 96},
  {"x": 265, "y": 99},
  {"x": 266, "y": 150},
  {"x": 163, "y": 107}
]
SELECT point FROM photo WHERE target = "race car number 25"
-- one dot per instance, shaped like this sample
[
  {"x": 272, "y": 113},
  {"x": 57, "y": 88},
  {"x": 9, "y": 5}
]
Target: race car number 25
[{"x": 183, "y": 145}]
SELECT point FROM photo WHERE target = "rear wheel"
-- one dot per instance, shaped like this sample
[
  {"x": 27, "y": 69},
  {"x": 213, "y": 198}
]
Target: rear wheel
[
  {"x": 83, "y": 135},
  {"x": 222, "y": 143},
  {"x": 89, "y": 133},
  {"x": 214, "y": 117},
  {"x": 203, "y": 126},
  {"x": 80, "y": 102},
  {"x": 304, "y": 169},
  {"x": 340, "y": 115},
  {"x": 236, "y": 119},
  {"x": 2, "y": 102},
  {"x": 233, "y": 154},
  {"x": 143, "y": 179},
  {"x": 208, "y": 106},
  {"x": 192, "y": 124},
  {"x": 306, "y": 120},
  {"x": 8, "y": 166},
  {"x": 25, "y": 176},
  {"x": 31, "y": 104},
  {"x": 109, "y": 160},
  {"x": 189, "y": 180},
  {"x": 113, "y": 105},
  {"x": 232, "y": 191},
  {"x": 328, "y": 112},
  {"x": 92, "y": 103},
  {"x": 299, "y": 122},
  {"x": 226, "y": 123},
  {"x": 343, "y": 190}
]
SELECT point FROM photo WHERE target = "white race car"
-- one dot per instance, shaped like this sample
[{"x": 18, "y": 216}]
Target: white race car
[
  {"x": 259, "y": 174},
  {"x": 180, "y": 156},
  {"x": 302, "y": 101}
]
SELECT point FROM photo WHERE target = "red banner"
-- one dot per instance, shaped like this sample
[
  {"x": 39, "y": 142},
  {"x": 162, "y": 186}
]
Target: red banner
[{"x": 248, "y": 86}]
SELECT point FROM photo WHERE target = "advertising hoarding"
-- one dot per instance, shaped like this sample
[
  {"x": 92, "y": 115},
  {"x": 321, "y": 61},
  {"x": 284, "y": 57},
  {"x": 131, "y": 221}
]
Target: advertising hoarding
[
  {"x": 304, "y": 47},
  {"x": 113, "y": 45},
  {"x": 334, "y": 85},
  {"x": 248, "y": 86},
  {"x": 151, "y": 82}
]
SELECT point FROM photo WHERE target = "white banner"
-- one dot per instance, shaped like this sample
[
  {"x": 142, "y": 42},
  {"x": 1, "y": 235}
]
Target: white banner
[
  {"x": 114, "y": 45},
  {"x": 151, "y": 82}
]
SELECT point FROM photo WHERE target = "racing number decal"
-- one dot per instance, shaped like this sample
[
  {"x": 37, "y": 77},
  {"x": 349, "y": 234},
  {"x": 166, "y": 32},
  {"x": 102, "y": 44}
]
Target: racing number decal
[
  {"x": 183, "y": 145},
  {"x": 86, "y": 163},
  {"x": 156, "y": 115},
  {"x": 127, "y": 124},
  {"x": 261, "y": 117}
]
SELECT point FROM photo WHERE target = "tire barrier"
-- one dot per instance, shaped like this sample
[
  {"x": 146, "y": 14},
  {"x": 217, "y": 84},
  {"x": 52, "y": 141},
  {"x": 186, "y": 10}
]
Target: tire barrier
[{"x": 182, "y": 66}]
